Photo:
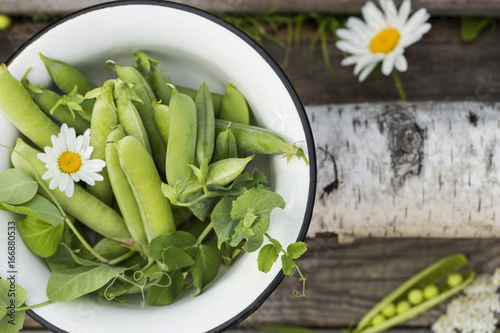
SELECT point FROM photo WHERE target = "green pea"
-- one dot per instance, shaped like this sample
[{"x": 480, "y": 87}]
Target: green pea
[
  {"x": 82, "y": 205},
  {"x": 402, "y": 307},
  {"x": 104, "y": 118},
  {"x": 128, "y": 116},
  {"x": 161, "y": 113},
  {"x": 181, "y": 138},
  {"x": 145, "y": 109},
  {"x": 256, "y": 140},
  {"x": 205, "y": 135},
  {"x": 158, "y": 80},
  {"x": 66, "y": 77},
  {"x": 377, "y": 320},
  {"x": 122, "y": 190},
  {"x": 20, "y": 109},
  {"x": 145, "y": 182},
  {"x": 225, "y": 145},
  {"x": 454, "y": 279},
  {"x": 46, "y": 99},
  {"x": 234, "y": 106},
  {"x": 216, "y": 98},
  {"x": 5, "y": 22},
  {"x": 415, "y": 296},
  {"x": 389, "y": 311},
  {"x": 431, "y": 291}
]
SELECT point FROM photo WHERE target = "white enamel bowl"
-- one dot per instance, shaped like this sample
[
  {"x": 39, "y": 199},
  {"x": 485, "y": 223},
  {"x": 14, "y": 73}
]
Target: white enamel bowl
[{"x": 193, "y": 46}]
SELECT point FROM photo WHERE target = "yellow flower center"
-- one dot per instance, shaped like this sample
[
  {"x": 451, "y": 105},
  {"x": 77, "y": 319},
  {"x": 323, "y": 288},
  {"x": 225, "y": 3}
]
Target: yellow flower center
[
  {"x": 385, "y": 41},
  {"x": 70, "y": 162}
]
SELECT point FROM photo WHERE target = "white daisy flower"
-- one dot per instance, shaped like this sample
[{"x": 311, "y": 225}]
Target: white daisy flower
[
  {"x": 68, "y": 161},
  {"x": 381, "y": 37}
]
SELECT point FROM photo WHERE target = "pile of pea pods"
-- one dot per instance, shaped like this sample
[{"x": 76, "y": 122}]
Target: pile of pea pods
[{"x": 178, "y": 197}]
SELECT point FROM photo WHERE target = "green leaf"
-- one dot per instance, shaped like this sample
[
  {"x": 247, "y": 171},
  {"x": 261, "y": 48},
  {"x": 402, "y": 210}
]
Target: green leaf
[
  {"x": 297, "y": 249},
  {"x": 175, "y": 258},
  {"x": 223, "y": 224},
  {"x": 64, "y": 258},
  {"x": 249, "y": 219},
  {"x": 165, "y": 295},
  {"x": 11, "y": 295},
  {"x": 41, "y": 237},
  {"x": 288, "y": 264},
  {"x": 256, "y": 200},
  {"x": 17, "y": 186},
  {"x": 206, "y": 266},
  {"x": 277, "y": 245},
  {"x": 179, "y": 239},
  {"x": 470, "y": 27},
  {"x": 267, "y": 257},
  {"x": 69, "y": 284},
  {"x": 39, "y": 208},
  {"x": 245, "y": 180}
]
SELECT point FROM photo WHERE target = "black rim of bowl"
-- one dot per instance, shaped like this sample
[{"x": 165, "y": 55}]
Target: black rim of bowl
[{"x": 293, "y": 94}]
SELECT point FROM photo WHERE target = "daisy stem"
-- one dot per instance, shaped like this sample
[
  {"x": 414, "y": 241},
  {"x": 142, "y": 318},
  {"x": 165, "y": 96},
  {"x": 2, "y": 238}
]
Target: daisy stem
[{"x": 399, "y": 86}]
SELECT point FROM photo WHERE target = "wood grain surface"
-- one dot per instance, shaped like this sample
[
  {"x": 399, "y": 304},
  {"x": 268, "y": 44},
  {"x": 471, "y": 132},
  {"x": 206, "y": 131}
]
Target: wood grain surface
[
  {"x": 345, "y": 280},
  {"x": 441, "y": 7}
]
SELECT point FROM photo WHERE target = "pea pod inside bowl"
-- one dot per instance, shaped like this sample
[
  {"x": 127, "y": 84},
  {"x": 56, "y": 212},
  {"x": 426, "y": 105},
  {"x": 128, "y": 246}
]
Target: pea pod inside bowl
[{"x": 192, "y": 47}]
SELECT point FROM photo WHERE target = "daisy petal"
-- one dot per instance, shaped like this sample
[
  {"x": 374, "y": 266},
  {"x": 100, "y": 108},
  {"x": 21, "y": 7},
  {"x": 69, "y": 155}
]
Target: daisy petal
[
  {"x": 388, "y": 63},
  {"x": 389, "y": 9},
  {"x": 404, "y": 12},
  {"x": 54, "y": 182},
  {"x": 415, "y": 21},
  {"x": 373, "y": 16},
  {"x": 348, "y": 61},
  {"x": 401, "y": 64},
  {"x": 347, "y": 47},
  {"x": 70, "y": 189},
  {"x": 364, "y": 74},
  {"x": 63, "y": 182},
  {"x": 357, "y": 26}
]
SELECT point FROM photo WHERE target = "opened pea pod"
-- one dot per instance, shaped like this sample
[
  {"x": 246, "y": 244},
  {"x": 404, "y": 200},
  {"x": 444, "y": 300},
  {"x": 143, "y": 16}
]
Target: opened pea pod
[{"x": 424, "y": 290}]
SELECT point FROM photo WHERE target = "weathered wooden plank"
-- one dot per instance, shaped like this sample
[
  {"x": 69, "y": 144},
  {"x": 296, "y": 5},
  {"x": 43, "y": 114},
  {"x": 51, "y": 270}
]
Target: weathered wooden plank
[
  {"x": 442, "y": 7},
  {"x": 345, "y": 280},
  {"x": 441, "y": 67},
  {"x": 407, "y": 170}
]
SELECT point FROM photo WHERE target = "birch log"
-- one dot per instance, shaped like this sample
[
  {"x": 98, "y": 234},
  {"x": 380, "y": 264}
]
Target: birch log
[{"x": 407, "y": 170}]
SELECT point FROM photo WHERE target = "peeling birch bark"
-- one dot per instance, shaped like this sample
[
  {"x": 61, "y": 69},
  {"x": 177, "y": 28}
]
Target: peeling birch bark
[{"x": 407, "y": 170}]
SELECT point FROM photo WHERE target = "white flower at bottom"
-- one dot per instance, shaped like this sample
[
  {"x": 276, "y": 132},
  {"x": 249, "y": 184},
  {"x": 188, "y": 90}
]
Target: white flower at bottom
[
  {"x": 381, "y": 37},
  {"x": 68, "y": 161}
]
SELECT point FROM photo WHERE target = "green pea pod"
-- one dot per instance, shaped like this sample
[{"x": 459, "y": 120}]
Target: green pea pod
[
  {"x": 158, "y": 80},
  {"x": 17, "y": 104},
  {"x": 46, "y": 99},
  {"x": 225, "y": 145},
  {"x": 104, "y": 118},
  {"x": 433, "y": 274},
  {"x": 216, "y": 98},
  {"x": 161, "y": 112},
  {"x": 110, "y": 249},
  {"x": 145, "y": 182},
  {"x": 257, "y": 140},
  {"x": 66, "y": 77},
  {"x": 205, "y": 121},
  {"x": 234, "y": 106},
  {"x": 122, "y": 190},
  {"x": 220, "y": 173},
  {"x": 82, "y": 205},
  {"x": 128, "y": 116},
  {"x": 145, "y": 109},
  {"x": 181, "y": 138}
]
